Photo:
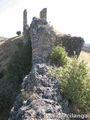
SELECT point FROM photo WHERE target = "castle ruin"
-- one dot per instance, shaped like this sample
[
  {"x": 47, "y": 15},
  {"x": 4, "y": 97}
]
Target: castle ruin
[{"x": 44, "y": 38}]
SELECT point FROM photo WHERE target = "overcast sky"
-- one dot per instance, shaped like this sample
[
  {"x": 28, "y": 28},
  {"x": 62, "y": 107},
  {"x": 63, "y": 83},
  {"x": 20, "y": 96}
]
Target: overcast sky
[{"x": 67, "y": 16}]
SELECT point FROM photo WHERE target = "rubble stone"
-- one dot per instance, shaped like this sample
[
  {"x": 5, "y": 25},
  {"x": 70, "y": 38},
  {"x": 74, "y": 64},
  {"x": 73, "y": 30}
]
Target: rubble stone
[{"x": 44, "y": 103}]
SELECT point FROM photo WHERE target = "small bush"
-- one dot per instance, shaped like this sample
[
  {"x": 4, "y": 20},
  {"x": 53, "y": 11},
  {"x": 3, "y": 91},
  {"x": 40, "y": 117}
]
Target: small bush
[
  {"x": 59, "y": 56},
  {"x": 18, "y": 33},
  {"x": 76, "y": 85}
]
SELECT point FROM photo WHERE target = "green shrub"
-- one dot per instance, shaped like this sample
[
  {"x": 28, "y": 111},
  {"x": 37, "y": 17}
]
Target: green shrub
[
  {"x": 76, "y": 84},
  {"x": 59, "y": 56}
]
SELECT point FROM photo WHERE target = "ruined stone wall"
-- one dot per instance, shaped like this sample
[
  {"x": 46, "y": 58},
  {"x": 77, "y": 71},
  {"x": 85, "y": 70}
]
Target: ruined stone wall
[
  {"x": 44, "y": 101},
  {"x": 44, "y": 38},
  {"x": 25, "y": 26},
  {"x": 71, "y": 44}
]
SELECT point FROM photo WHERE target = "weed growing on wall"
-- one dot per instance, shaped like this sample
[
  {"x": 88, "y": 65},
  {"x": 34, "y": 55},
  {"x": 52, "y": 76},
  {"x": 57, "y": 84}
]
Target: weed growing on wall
[{"x": 59, "y": 56}]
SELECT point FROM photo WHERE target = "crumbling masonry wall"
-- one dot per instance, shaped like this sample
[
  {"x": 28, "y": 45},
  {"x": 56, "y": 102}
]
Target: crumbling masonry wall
[
  {"x": 44, "y": 38},
  {"x": 24, "y": 20},
  {"x": 71, "y": 43}
]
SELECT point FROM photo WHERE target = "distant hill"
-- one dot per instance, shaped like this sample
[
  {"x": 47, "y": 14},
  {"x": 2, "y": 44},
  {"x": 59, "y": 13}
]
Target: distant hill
[
  {"x": 86, "y": 48},
  {"x": 1, "y": 37},
  {"x": 88, "y": 45}
]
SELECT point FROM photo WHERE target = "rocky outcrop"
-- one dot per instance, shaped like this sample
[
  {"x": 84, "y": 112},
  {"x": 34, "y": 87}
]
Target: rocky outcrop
[{"x": 40, "y": 97}]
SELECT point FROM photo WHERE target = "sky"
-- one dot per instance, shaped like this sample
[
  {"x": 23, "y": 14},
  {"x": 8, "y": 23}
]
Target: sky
[{"x": 67, "y": 16}]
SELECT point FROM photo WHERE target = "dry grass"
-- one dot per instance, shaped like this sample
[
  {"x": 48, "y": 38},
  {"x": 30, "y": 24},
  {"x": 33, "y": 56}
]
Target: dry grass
[{"x": 86, "y": 56}]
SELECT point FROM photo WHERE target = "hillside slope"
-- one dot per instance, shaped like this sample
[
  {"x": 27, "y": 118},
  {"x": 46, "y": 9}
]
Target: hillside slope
[{"x": 7, "y": 48}]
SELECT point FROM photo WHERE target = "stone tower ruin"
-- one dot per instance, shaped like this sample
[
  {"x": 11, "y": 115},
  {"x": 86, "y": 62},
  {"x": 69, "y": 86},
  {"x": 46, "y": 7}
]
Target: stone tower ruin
[
  {"x": 24, "y": 20},
  {"x": 44, "y": 38},
  {"x": 43, "y": 14}
]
